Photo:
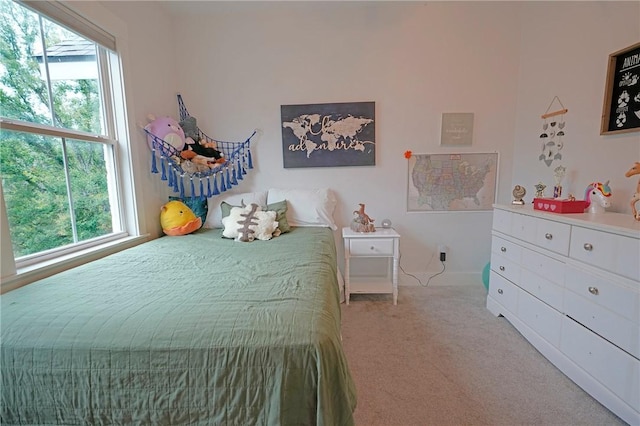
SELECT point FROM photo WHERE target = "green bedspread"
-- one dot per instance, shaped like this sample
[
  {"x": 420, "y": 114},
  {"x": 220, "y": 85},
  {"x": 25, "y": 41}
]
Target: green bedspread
[{"x": 182, "y": 330}]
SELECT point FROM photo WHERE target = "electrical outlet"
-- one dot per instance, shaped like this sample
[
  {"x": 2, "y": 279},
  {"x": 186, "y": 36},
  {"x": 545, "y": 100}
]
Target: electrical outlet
[{"x": 442, "y": 249}]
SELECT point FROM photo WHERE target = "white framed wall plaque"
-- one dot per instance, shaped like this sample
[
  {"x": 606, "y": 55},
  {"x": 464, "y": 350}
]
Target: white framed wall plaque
[{"x": 457, "y": 129}]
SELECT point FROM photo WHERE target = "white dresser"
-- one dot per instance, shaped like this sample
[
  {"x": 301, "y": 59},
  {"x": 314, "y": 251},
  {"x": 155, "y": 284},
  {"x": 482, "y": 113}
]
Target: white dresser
[{"x": 570, "y": 284}]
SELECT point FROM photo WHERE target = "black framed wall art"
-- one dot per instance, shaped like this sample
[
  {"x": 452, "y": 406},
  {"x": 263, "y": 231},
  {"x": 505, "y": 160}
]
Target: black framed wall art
[
  {"x": 621, "y": 109},
  {"x": 328, "y": 135}
]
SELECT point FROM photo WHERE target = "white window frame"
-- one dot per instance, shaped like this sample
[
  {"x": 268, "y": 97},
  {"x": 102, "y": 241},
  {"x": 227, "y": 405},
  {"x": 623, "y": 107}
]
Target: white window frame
[{"x": 14, "y": 274}]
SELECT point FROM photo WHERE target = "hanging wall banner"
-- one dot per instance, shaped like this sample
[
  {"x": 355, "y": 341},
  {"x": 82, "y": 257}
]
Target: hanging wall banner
[{"x": 328, "y": 135}]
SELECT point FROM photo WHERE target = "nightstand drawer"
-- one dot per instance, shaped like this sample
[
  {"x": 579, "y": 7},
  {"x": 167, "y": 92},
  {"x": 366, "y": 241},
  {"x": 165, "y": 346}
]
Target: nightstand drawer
[{"x": 371, "y": 247}]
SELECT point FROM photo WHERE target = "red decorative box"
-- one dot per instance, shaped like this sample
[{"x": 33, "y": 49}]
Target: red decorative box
[{"x": 553, "y": 205}]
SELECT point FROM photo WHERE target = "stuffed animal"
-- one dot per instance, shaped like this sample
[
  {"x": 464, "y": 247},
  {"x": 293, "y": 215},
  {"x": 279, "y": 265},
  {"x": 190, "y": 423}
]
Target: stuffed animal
[
  {"x": 194, "y": 142},
  {"x": 176, "y": 218},
  {"x": 197, "y": 160},
  {"x": 190, "y": 128},
  {"x": 167, "y": 129},
  {"x": 249, "y": 223}
]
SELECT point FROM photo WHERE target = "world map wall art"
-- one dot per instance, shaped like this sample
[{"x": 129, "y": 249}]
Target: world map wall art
[{"x": 328, "y": 135}]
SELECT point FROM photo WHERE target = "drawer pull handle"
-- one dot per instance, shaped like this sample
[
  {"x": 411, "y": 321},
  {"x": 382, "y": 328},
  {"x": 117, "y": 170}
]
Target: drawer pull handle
[
  {"x": 503, "y": 249},
  {"x": 502, "y": 268},
  {"x": 373, "y": 248},
  {"x": 587, "y": 247},
  {"x": 594, "y": 291},
  {"x": 548, "y": 236},
  {"x": 500, "y": 291}
]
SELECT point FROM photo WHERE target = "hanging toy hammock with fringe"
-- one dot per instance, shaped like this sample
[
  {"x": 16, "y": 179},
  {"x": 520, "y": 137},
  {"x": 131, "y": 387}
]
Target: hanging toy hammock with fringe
[{"x": 216, "y": 178}]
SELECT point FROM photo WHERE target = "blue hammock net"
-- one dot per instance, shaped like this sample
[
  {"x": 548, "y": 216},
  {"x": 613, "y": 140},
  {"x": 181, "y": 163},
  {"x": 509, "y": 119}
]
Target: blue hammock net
[{"x": 202, "y": 184}]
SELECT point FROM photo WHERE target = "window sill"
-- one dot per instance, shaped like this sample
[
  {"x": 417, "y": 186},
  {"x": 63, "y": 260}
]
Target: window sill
[{"x": 31, "y": 273}]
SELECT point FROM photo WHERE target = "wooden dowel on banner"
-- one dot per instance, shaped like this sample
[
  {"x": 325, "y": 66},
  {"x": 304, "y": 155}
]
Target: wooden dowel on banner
[{"x": 554, "y": 113}]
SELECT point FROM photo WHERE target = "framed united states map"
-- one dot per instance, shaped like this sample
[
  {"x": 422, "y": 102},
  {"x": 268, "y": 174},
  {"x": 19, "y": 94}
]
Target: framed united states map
[{"x": 452, "y": 182}]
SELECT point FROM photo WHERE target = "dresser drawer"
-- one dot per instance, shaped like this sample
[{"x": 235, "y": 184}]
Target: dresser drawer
[
  {"x": 593, "y": 247},
  {"x": 604, "y": 306},
  {"x": 627, "y": 260},
  {"x": 545, "y": 290},
  {"x": 503, "y": 292},
  {"x": 506, "y": 249},
  {"x": 371, "y": 247},
  {"x": 523, "y": 227},
  {"x": 543, "y": 319},
  {"x": 616, "y": 329},
  {"x": 617, "y": 295},
  {"x": 552, "y": 236},
  {"x": 550, "y": 269},
  {"x": 614, "y": 368},
  {"x": 608, "y": 251},
  {"x": 502, "y": 221},
  {"x": 505, "y": 267}
]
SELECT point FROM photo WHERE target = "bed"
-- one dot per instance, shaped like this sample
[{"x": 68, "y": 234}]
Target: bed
[{"x": 195, "y": 329}]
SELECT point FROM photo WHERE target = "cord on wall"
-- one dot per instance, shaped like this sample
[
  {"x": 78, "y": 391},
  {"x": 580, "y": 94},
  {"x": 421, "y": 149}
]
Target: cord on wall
[
  {"x": 437, "y": 273},
  {"x": 428, "y": 279}
]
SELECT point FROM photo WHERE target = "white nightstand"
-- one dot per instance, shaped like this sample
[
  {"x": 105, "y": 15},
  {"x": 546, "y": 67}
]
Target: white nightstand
[{"x": 384, "y": 243}]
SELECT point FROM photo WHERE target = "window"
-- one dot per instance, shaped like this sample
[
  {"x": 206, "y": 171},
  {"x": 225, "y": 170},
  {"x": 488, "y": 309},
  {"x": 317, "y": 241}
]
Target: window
[{"x": 62, "y": 126}]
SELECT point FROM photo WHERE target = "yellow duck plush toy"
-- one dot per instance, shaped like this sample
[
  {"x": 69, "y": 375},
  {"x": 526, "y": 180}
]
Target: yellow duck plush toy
[{"x": 178, "y": 219}]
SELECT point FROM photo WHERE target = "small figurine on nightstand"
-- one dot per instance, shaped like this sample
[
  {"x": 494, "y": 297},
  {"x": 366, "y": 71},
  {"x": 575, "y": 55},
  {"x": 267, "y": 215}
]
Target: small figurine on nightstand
[
  {"x": 558, "y": 175},
  {"x": 361, "y": 221},
  {"x": 540, "y": 190},
  {"x": 518, "y": 193}
]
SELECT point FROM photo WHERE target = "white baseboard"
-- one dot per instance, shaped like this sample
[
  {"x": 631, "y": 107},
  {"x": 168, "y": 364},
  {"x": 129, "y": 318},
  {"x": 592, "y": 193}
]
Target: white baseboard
[{"x": 446, "y": 278}]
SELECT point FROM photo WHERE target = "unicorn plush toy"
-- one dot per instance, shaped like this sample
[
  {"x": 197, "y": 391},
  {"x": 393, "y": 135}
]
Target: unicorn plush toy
[{"x": 597, "y": 196}]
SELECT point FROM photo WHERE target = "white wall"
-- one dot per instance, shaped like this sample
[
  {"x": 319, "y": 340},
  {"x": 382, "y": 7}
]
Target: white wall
[
  {"x": 150, "y": 71},
  {"x": 415, "y": 60},
  {"x": 236, "y": 63},
  {"x": 570, "y": 61}
]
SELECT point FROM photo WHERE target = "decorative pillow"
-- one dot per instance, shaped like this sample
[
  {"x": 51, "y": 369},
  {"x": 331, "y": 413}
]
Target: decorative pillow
[
  {"x": 214, "y": 218},
  {"x": 198, "y": 206},
  {"x": 307, "y": 207},
  {"x": 250, "y": 222},
  {"x": 176, "y": 218},
  {"x": 280, "y": 208}
]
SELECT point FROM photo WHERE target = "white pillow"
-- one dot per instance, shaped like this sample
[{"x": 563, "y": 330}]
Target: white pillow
[
  {"x": 307, "y": 207},
  {"x": 214, "y": 216}
]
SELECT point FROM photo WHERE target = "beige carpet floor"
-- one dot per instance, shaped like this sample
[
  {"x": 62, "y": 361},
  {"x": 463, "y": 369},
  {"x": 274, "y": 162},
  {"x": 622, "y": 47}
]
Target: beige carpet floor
[{"x": 440, "y": 357}]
